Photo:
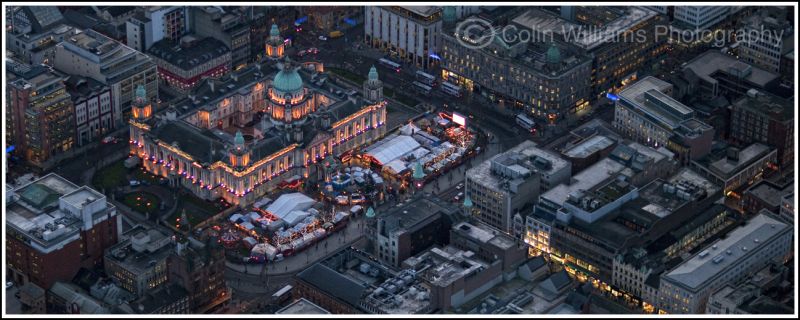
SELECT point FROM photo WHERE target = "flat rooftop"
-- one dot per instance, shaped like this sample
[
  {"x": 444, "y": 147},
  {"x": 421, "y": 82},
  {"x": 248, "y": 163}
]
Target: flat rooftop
[
  {"x": 443, "y": 266},
  {"x": 647, "y": 97},
  {"x": 198, "y": 53},
  {"x": 583, "y": 36},
  {"x": 723, "y": 254},
  {"x": 770, "y": 193},
  {"x": 412, "y": 213},
  {"x": 302, "y": 306},
  {"x": 727, "y": 168},
  {"x": 482, "y": 233},
  {"x": 589, "y": 147},
  {"x": 712, "y": 61},
  {"x": 585, "y": 180},
  {"x": 483, "y": 174}
]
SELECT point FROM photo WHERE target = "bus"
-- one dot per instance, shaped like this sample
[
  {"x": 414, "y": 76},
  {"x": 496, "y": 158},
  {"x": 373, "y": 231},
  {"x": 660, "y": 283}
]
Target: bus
[
  {"x": 426, "y": 79},
  {"x": 451, "y": 89},
  {"x": 425, "y": 89},
  {"x": 526, "y": 123},
  {"x": 390, "y": 64}
]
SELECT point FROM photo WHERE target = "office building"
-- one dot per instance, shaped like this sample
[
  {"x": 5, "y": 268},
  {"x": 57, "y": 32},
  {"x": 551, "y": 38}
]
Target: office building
[
  {"x": 766, "y": 195},
  {"x": 647, "y": 113},
  {"x": 90, "y": 54},
  {"x": 787, "y": 207},
  {"x": 405, "y": 231},
  {"x": 489, "y": 245},
  {"x": 549, "y": 81},
  {"x": 767, "y": 37},
  {"x": 152, "y": 24},
  {"x": 736, "y": 169},
  {"x": 713, "y": 74},
  {"x": 42, "y": 118},
  {"x": 588, "y": 152},
  {"x": 502, "y": 185},
  {"x": 698, "y": 19},
  {"x": 411, "y": 34},
  {"x": 138, "y": 263},
  {"x": 686, "y": 288},
  {"x": 765, "y": 118},
  {"x": 54, "y": 227},
  {"x": 763, "y": 293},
  {"x": 183, "y": 66},
  {"x": 34, "y": 31},
  {"x": 229, "y": 26}
]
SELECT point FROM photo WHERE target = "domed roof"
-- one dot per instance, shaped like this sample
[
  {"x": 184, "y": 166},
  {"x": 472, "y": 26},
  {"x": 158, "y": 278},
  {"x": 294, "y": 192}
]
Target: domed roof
[
  {"x": 239, "y": 138},
  {"x": 288, "y": 81},
  {"x": 373, "y": 73},
  {"x": 274, "y": 32},
  {"x": 449, "y": 14},
  {"x": 553, "y": 54}
]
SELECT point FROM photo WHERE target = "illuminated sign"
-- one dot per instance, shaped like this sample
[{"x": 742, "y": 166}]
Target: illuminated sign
[{"x": 459, "y": 119}]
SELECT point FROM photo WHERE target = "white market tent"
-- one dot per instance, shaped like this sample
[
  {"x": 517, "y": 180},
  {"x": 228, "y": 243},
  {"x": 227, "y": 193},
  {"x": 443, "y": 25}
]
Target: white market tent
[
  {"x": 396, "y": 165},
  {"x": 290, "y": 202},
  {"x": 294, "y": 217},
  {"x": 250, "y": 241},
  {"x": 393, "y": 149},
  {"x": 235, "y": 217},
  {"x": 409, "y": 129},
  {"x": 248, "y": 226}
]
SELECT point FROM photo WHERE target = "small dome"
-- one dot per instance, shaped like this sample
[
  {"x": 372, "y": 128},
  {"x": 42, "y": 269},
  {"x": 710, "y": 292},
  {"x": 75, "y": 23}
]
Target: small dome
[
  {"x": 449, "y": 14},
  {"x": 288, "y": 81},
  {"x": 373, "y": 73},
  {"x": 553, "y": 54},
  {"x": 239, "y": 138},
  {"x": 274, "y": 32}
]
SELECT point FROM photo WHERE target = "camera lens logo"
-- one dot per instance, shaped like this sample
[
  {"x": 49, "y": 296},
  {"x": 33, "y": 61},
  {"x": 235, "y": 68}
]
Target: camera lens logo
[{"x": 475, "y": 33}]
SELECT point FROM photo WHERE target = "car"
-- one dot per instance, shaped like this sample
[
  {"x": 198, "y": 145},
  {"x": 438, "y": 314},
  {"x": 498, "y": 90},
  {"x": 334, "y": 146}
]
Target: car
[
  {"x": 357, "y": 198},
  {"x": 134, "y": 183},
  {"x": 109, "y": 139},
  {"x": 9, "y": 285},
  {"x": 459, "y": 186},
  {"x": 312, "y": 50},
  {"x": 323, "y": 38},
  {"x": 342, "y": 200},
  {"x": 460, "y": 194},
  {"x": 301, "y": 53}
]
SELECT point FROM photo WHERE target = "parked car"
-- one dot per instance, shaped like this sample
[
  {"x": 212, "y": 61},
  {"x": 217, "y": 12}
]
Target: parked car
[
  {"x": 323, "y": 38},
  {"x": 459, "y": 186},
  {"x": 109, "y": 139},
  {"x": 134, "y": 183},
  {"x": 9, "y": 285}
]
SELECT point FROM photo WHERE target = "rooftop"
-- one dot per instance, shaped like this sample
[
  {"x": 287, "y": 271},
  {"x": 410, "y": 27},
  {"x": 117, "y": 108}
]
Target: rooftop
[
  {"x": 769, "y": 192},
  {"x": 648, "y": 97},
  {"x": 483, "y": 234},
  {"x": 585, "y": 180},
  {"x": 518, "y": 164},
  {"x": 412, "y": 214},
  {"x": 142, "y": 250},
  {"x": 589, "y": 147},
  {"x": 188, "y": 56},
  {"x": 724, "y": 253},
  {"x": 775, "y": 107},
  {"x": 443, "y": 266},
  {"x": 302, "y": 306},
  {"x": 706, "y": 65},
  {"x": 666, "y": 197},
  {"x": 588, "y": 38},
  {"x": 727, "y": 167}
]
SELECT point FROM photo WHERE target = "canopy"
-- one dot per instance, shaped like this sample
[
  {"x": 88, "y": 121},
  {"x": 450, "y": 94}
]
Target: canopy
[
  {"x": 409, "y": 129},
  {"x": 393, "y": 148},
  {"x": 290, "y": 202}
]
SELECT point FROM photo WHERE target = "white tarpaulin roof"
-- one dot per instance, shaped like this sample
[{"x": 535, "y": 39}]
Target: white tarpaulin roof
[
  {"x": 247, "y": 225},
  {"x": 396, "y": 165},
  {"x": 407, "y": 129},
  {"x": 235, "y": 216},
  {"x": 290, "y": 202},
  {"x": 294, "y": 217},
  {"x": 393, "y": 149}
]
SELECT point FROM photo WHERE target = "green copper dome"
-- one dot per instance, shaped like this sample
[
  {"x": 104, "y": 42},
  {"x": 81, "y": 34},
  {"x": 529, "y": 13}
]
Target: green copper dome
[
  {"x": 274, "y": 32},
  {"x": 238, "y": 139},
  {"x": 553, "y": 54},
  {"x": 449, "y": 14},
  {"x": 467, "y": 201},
  {"x": 288, "y": 81},
  {"x": 141, "y": 93},
  {"x": 373, "y": 73},
  {"x": 370, "y": 213}
]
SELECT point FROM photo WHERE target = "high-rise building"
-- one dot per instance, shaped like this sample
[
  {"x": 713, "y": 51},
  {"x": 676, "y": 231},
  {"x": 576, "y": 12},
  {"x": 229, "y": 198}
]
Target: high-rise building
[
  {"x": 54, "y": 228},
  {"x": 42, "y": 114},
  {"x": 90, "y": 54}
]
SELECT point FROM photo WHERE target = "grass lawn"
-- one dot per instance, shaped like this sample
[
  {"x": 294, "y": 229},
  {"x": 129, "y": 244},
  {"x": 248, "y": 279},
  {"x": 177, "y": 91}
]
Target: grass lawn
[
  {"x": 110, "y": 176},
  {"x": 347, "y": 75},
  {"x": 197, "y": 210},
  {"x": 142, "y": 175},
  {"x": 141, "y": 201}
]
